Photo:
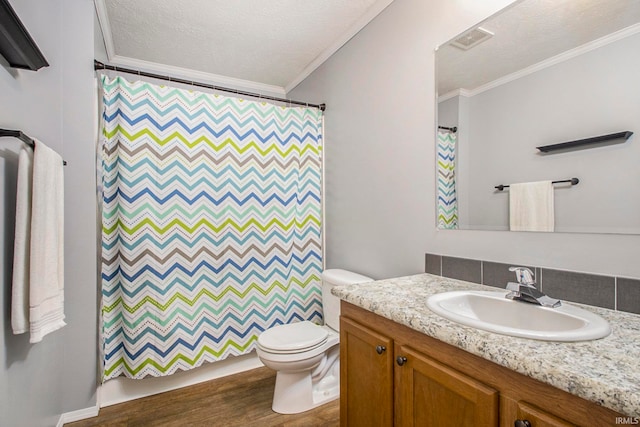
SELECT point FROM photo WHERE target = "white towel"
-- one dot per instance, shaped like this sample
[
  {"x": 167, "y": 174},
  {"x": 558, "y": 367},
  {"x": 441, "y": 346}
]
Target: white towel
[
  {"x": 531, "y": 206},
  {"x": 21, "y": 245},
  {"x": 46, "y": 271}
]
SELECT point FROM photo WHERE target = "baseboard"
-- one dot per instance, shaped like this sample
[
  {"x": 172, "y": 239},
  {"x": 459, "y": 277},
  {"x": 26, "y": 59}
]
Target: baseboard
[
  {"x": 119, "y": 390},
  {"x": 80, "y": 414}
]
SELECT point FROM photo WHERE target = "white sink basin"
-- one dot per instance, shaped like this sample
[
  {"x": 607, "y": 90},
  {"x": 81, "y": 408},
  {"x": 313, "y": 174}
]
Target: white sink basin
[{"x": 491, "y": 311}]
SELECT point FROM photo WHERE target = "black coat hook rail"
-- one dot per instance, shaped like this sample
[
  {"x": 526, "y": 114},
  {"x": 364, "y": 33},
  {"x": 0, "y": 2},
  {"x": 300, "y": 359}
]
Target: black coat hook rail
[
  {"x": 573, "y": 181},
  {"x": 22, "y": 137},
  {"x": 453, "y": 129}
]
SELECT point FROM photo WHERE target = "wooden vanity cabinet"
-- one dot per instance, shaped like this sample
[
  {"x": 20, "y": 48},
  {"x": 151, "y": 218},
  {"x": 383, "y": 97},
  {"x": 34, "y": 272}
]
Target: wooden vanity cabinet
[
  {"x": 514, "y": 410},
  {"x": 366, "y": 365},
  {"x": 428, "y": 393},
  {"x": 392, "y": 375},
  {"x": 374, "y": 390}
]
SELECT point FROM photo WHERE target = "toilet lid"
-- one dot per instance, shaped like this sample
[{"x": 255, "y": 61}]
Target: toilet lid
[{"x": 294, "y": 336}]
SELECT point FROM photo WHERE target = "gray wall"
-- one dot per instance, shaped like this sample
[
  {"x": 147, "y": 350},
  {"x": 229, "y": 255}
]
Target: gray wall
[
  {"x": 380, "y": 177},
  {"x": 448, "y": 112},
  {"x": 40, "y": 381},
  {"x": 585, "y": 96}
]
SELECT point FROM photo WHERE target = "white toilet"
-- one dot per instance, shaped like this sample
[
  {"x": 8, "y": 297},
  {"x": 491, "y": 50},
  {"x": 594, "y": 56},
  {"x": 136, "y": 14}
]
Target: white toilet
[{"x": 307, "y": 356}]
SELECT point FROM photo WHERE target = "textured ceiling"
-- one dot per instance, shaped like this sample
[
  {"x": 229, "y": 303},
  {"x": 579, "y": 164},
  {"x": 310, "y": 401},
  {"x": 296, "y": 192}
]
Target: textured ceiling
[
  {"x": 268, "y": 42},
  {"x": 529, "y": 32}
]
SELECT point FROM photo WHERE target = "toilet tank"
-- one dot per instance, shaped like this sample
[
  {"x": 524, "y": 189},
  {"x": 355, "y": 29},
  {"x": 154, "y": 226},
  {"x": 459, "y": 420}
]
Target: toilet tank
[{"x": 330, "y": 302}]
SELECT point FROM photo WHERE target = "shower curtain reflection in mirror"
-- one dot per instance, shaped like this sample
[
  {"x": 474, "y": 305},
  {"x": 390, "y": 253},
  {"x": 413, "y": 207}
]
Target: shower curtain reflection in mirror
[{"x": 447, "y": 200}]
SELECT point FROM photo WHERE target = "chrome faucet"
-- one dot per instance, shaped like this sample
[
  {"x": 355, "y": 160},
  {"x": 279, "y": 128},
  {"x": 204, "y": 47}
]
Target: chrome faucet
[{"x": 525, "y": 290}]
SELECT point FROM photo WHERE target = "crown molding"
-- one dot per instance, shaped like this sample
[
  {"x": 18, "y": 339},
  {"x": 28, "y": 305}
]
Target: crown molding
[
  {"x": 454, "y": 93},
  {"x": 105, "y": 27},
  {"x": 199, "y": 76},
  {"x": 362, "y": 22},
  {"x": 565, "y": 56}
]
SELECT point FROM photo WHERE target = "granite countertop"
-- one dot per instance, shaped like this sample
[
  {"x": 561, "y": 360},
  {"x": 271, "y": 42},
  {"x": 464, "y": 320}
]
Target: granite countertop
[{"x": 605, "y": 371}]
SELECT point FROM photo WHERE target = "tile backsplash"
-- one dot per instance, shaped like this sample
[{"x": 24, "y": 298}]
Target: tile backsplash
[{"x": 603, "y": 291}]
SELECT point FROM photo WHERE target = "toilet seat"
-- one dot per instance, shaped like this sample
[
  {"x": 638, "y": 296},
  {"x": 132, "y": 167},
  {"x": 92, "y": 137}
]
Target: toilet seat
[
  {"x": 292, "y": 357},
  {"x": 293, "y": 338}
]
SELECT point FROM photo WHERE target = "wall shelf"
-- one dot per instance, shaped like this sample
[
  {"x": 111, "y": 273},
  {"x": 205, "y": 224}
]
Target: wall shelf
[
  {"x": 586, "y": 143},
  {"x": 16, "y": 45}
]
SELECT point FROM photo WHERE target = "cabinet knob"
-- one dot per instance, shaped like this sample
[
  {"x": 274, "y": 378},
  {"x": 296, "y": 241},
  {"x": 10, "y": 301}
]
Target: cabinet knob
[
  {"x": 401, "y": 360},
  {"x": 380, "y": 349},
  {"x": 522, "y": 423}
]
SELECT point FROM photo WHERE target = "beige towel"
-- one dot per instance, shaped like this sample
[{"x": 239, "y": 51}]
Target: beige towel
[
  {"x": 21, "y": 245},
  {"x": 46, "y": 271},
  {"x": 531, "y": 206}
]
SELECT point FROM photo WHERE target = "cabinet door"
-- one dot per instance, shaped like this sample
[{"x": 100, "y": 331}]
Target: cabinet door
[
  {"x": 430, "y": 394},
  {"x": 366, "y": 376},
  {"x": 530, "y": 415}
]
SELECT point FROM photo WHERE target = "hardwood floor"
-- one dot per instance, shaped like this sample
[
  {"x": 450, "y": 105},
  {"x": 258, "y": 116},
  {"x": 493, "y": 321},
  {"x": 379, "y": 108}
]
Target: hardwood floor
[{"x": 235, "y": 401}]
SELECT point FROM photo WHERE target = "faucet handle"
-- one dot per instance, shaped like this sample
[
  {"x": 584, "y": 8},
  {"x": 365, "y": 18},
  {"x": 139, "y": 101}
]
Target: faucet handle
[{"x": 524, "y": 276}]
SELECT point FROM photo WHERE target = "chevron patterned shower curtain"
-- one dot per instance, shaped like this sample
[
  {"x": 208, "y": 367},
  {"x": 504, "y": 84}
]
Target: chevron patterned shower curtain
[
  {"x": 447, "y": 199},
  {"x": 211, "y": 221}
]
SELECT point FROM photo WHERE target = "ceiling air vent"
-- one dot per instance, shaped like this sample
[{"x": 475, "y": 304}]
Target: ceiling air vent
[{"x": 471, "y": 38}]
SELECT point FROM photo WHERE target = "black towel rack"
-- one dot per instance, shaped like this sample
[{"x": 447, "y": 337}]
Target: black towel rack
[
  {"x": 22, "y": 137},
  {"x": 573, "y": 181}
]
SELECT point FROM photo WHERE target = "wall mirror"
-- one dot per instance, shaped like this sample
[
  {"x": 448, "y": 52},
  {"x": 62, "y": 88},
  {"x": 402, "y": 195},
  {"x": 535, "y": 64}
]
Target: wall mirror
[{"x": 537, "y": 73}]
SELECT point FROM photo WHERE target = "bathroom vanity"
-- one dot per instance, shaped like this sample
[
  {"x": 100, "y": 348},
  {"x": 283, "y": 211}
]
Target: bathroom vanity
[{"x": 403, "y": 365}]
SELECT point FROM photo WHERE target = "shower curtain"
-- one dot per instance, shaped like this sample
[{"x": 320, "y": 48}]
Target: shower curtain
[
  {"x": 211, "y": 221},
  {"x": 447, "y": 199}
]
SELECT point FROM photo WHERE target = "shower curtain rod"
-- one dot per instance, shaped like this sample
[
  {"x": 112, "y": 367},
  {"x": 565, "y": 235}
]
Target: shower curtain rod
[
  {"x": 452, "y": 129},
  {"x": 97, "y": 65}
]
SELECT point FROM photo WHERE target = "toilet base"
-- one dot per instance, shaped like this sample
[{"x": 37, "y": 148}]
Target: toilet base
[{"x": 301, "y": 391}]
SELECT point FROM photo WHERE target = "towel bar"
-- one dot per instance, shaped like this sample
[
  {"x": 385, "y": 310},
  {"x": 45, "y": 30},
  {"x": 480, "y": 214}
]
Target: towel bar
[
  {"x": 22, "y": 137},
  {"x": 573, "y": 181}
]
